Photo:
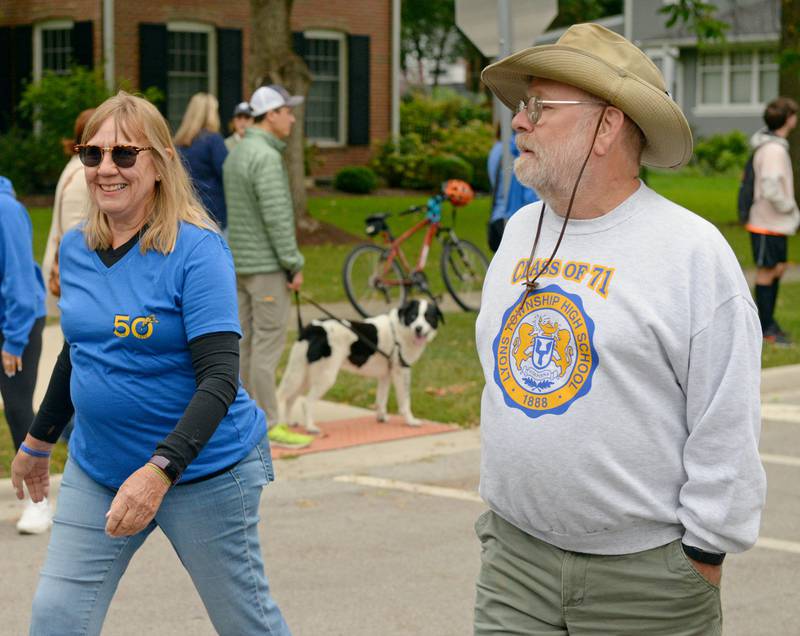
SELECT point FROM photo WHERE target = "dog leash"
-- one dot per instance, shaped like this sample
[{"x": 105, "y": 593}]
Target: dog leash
[{"x": 345, "y": 323}]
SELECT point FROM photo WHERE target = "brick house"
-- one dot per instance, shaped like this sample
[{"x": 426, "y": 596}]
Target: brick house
[{"x": 185, "y": 46}]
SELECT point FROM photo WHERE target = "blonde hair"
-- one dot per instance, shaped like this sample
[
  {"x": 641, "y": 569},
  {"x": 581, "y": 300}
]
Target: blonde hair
[
  {"x": 202, "y": 113},
  {"x": 173, "y": 200}
]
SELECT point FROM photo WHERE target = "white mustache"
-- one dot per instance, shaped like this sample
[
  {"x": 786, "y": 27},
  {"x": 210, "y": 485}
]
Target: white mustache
[{"x": 526, "y": 144}]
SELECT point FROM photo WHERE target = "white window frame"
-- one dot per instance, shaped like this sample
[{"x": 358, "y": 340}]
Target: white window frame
[
  {"x": 726, "y": 107},
  {"x": 320, "y": 34},
  {"x": 199, "y": 27},
  {"x": 672, "y": 56},
  {"x": 47, "y": 25}
]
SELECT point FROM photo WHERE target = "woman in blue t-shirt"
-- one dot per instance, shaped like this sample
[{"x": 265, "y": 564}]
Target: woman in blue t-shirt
[{"x": 164, "y": 435}]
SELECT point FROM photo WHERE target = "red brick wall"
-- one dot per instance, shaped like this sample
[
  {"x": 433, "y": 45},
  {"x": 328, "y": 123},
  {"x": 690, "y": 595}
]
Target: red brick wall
[{"x": 358, "y": 17}]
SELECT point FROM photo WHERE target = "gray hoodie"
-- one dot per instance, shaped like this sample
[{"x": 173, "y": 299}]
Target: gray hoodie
[{"x": 774, "y": 209}]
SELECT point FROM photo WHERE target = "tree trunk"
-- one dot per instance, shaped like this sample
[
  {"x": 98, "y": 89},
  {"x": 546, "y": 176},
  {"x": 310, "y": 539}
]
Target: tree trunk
[
  {"x": 790, "y": 73},
  {"x": 274, "y": 62}
]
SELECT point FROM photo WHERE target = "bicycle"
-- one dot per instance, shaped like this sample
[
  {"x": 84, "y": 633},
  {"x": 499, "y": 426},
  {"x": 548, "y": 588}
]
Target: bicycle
[{"x": 377, "y": 278}]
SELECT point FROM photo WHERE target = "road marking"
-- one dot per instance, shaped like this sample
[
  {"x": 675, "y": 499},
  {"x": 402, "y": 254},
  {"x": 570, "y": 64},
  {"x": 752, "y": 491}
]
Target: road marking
[
  {"x": 783, "y": 460},
  {"x": 405, "y": 486},
  {"x": 766, "y": 543},
  {"x": 778, "y": 544},
  {"x": 789, "y": 413}
]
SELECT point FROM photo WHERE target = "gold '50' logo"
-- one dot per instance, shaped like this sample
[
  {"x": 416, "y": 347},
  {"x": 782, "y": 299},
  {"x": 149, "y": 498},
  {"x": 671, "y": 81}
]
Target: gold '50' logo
[{"x": 141, "y": 327}]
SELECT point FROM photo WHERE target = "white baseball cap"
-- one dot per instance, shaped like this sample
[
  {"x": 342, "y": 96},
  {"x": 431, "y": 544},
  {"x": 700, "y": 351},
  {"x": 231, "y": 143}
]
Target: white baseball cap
[{"x": 267, "y": 98}]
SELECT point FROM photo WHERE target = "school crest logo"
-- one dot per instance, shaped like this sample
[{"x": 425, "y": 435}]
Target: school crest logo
[{"x": 544, "y": 353}]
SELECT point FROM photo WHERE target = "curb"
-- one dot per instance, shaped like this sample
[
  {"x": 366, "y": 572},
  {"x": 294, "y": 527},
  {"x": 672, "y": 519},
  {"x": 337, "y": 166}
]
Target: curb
[{"x": 780, "y": 379}]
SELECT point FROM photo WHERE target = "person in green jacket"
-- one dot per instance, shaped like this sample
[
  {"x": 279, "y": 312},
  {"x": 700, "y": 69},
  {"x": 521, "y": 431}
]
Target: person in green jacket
[{"x": 261, "y": 235}]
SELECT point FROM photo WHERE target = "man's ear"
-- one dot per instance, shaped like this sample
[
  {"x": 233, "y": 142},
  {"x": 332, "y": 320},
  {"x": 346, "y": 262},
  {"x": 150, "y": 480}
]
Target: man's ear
[{"x": 610, "y": 131}]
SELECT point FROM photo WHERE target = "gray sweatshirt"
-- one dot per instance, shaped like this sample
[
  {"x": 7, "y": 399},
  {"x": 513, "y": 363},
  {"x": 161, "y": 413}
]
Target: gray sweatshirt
[{"x": 621, "y": 408}]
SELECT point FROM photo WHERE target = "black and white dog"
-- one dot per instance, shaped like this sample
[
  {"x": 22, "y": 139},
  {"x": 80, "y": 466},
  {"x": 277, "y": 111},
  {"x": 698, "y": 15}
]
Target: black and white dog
[{"x": 383, "y": 347}]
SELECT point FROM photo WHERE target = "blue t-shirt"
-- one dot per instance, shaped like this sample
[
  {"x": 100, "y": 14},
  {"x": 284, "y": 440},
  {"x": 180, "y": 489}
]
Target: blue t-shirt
[{"x": 128, "y": 327}]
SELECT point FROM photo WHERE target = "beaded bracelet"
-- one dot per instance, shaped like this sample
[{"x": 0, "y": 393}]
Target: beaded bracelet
[
  {"x": 160, "y": 473},
  {"x": 32, "y": 452}
]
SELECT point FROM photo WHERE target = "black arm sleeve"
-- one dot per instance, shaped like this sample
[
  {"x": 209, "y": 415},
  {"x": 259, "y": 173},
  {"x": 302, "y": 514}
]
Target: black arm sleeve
[
  {"x": 56, "y": 408},
  {"x": 215, "y": 358}
]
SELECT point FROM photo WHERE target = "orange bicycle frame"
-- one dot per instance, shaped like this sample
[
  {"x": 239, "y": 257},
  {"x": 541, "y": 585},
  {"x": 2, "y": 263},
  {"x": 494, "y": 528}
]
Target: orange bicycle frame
[{"x": 396, "y": 252}]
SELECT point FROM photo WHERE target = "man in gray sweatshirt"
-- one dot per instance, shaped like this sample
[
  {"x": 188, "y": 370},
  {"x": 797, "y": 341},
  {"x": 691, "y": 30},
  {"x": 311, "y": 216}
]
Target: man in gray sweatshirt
[{"x": 621, "y": 352}]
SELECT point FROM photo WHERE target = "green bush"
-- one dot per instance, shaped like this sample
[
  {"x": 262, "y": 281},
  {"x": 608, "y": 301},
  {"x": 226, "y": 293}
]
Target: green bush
[
  {"x": 722, "y": 153},
  {"x": 57, "y": 100},
  {"x": 472, "y": 142},
  {"x": 405, "y": 163},
  {"x": 446, "y": 167},
  {"x": 427, "y": 115},
  {"x": 355, "y": 179},
  {"x": 435, "y": 130},
  {"x": 33, "y": 164}
]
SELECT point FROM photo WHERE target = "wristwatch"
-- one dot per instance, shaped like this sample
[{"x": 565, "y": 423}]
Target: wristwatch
[
  {"x": 696, "y": 554},
  {"x": 166, "y": 466}
]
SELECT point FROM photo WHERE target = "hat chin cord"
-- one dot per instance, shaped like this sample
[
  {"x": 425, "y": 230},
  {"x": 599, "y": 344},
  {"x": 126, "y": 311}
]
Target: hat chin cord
[{"x": 531, "y": 284}]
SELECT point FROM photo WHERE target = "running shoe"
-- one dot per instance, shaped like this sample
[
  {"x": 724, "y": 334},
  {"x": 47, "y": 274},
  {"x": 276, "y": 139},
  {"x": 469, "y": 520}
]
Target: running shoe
[
  {"x": 776, "y": 336},
  {"x": 282, "y": 437},
  {"x": 36, "y": 518}
]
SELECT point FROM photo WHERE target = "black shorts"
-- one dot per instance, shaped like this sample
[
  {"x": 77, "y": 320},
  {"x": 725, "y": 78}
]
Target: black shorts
[{"x": 768, "y": 250}]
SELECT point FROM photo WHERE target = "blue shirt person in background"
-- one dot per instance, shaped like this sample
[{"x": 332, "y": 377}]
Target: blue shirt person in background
[
  {"x": 165, "y": 436},
  {"x": 504, "y": 204},
  {"x": 203, "y": 151},
  {"x": 22, "y": 317}
]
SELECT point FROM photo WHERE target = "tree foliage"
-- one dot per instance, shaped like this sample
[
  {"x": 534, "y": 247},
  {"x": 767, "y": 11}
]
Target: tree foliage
[
  {"x": 576, "y": 11},
  {"x": 698, "y": 16},
  {"x": 428, "y": 32}
]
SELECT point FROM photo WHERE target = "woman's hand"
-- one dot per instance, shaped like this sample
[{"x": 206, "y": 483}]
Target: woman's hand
[
  {"x": 33, "y": 471},
  {"x": 136, "y": 502},
  {"x": 11, "y": 364}
]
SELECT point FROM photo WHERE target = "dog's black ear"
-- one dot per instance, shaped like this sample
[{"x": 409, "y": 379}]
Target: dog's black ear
[
  {"x": 405, "y": 312},
  {"x": 439, "y": 313}
]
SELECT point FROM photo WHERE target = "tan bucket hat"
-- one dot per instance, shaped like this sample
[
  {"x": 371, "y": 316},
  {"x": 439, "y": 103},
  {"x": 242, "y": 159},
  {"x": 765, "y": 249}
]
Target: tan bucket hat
[{"x": 607, "y": 65}]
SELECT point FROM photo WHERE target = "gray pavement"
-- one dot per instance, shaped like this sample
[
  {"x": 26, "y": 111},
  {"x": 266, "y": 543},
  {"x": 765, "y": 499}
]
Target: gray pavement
[{"x": 378, "y": 540}]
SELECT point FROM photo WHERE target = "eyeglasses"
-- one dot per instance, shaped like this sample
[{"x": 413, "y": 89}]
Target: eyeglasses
[
  {"x": 123, "y": 156},
  {"x": 535, "y": 105}
]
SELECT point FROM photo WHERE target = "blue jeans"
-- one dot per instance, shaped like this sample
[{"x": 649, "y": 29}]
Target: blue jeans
[{"x": 213, "y": 526}]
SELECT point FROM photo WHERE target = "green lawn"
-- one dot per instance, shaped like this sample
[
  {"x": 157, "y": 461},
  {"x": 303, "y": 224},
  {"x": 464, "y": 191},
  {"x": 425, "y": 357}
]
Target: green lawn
[{"x": 57, "y": 459}]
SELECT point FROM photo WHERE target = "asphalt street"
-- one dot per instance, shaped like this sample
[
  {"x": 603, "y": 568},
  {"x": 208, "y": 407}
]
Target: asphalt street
[{"x": 378, "y": 540}]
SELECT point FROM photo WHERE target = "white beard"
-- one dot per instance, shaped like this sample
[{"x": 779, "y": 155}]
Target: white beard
[{"x": 552, "y": 172}]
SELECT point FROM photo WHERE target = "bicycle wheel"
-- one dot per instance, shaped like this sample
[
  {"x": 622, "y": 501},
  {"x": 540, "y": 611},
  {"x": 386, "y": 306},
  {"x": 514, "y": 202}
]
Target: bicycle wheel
[
  {"x": 463, "y": 269},
  {"x": 368, "y": 289}
]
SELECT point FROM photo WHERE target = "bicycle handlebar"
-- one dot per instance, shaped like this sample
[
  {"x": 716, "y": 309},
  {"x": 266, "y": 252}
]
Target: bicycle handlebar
[{"x": 411, "y": 210}]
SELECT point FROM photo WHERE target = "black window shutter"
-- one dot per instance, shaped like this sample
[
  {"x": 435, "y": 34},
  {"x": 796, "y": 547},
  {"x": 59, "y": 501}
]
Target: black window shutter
[
  {"x": 16, "y": 68},
  {"x": 358, "y": 92},
  {"x": 83, "y": 44},
  {"x": 229, "y": 71},
  {"x": 299, "y": 43},
  {"x": 6, "y": 78},
  {"x": 153, "y": 60}
]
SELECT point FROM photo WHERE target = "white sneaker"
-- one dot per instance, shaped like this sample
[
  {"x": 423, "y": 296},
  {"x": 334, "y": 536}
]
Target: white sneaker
[{"x": 36, "y": 519}]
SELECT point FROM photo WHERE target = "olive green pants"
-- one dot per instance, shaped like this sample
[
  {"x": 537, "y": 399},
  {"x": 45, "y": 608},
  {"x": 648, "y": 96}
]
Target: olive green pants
[{"x": 528, "y": 587}]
